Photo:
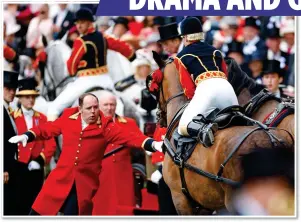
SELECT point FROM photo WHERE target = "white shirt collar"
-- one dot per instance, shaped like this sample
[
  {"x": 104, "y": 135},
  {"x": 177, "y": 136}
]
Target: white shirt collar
[
  {"x": 27, "y": 112},
  {"x": 277, "y": 94},
  {"x": 84, "y": 124}
]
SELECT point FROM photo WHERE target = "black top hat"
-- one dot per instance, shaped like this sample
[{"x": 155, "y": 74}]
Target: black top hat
[
  {"x": 269, "y": 162},
  {"x": 122, "y": 20},
  {"x": 159, "y": 20},
  {"x": 169, "y": 31},
  {"x": 84, "y": 14},
  {"x": 253, "y": 22},
  {"x": 273, "y": 32},
  {"x": 10, "y": 79},
  {"x": 272, "y": 66},
  {"x": 27, "y": 87},
  {"x": 191, "y": 25},
  {"x": 235, "y": 46},
  {"x": 198, "y": 17}
]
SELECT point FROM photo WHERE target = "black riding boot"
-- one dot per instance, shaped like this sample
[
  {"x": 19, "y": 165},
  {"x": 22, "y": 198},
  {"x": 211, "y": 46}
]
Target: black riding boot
[{"x": 199, "y": 129}]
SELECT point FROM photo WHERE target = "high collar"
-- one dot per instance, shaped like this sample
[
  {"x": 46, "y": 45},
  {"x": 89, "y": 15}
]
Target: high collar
[{"x": 90, "y": 30}]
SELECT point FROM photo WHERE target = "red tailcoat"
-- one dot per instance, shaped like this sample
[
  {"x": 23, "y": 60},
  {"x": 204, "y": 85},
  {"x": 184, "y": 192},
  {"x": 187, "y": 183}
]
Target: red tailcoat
[
  {"x": 35, "y": 148},
  {"x": 116, "y": 185},
  {"x": 80, "y": 160}
]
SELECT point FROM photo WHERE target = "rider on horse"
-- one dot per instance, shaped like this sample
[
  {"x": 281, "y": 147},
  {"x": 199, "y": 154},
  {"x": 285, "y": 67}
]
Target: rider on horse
[
  {"x": 88, "y": 62},
  {"x": 203, "y": 77}
]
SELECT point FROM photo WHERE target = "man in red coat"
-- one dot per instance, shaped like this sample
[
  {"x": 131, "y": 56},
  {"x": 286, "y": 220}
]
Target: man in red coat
[
  {"x": 71, "y": 186},
  {"x": 33, "y": 157},
  {"x": 115, "y": 195}
]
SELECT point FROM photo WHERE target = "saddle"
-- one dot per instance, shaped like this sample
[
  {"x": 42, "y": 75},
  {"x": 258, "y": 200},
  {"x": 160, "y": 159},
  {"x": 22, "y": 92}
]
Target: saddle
[{"x": 225, "y": 118}]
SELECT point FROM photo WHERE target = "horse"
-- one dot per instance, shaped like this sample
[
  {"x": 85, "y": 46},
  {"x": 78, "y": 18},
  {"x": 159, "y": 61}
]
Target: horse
[
  {"x": 218, "y": 166},
  {"x": 261, "y": 104}
]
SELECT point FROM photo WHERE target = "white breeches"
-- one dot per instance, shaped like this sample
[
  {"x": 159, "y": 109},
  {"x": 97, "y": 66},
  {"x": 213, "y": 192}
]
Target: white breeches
[
  {"x": 209, "y": 94},
  {"x": 75, "y": 89}
]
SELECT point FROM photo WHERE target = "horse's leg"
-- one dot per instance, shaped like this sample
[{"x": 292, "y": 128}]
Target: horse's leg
[{"x": 181, "y": 203}]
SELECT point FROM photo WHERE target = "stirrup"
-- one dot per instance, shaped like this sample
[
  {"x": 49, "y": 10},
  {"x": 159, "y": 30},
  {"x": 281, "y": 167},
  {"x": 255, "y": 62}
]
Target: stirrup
[{"x": 206, "y": 134}]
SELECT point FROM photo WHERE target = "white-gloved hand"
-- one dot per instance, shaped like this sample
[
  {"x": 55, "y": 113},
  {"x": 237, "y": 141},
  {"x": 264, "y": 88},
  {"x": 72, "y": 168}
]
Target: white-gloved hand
[
  {"x": 157, "y": 145},
  {"x": 19, "y": 139},
  {"x": 34, "y": 165},
  {"x": 156, "y": 176}
]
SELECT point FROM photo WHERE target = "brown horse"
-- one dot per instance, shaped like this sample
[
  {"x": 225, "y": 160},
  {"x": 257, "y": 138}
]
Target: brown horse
[{"x": 209, "y": 193}]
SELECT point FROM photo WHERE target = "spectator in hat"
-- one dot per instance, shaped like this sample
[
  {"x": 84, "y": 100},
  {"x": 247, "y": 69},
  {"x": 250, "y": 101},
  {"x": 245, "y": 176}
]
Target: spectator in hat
[
  {"x": 120, "y": 27},
  {"x": 235, "y": 51},
  {"x": 273, "y": 41},
  {"x": 10, "y": 154},
  {"x": 170, "y": 39},
  {"x": 255, "y": 66},
  {"x": 35, "y": 155},
  {"x": 253, "y": 47},
  {"x": 62, "y": 22},
  {"x": 272, "y": 77}
]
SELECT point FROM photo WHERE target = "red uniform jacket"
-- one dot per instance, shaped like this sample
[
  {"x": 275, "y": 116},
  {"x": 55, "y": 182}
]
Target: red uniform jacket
[
  {"x": 80, "y": 160},
  {"x": 116, "y": 185},
  {"x": 9, "y": 54},
  {"x": 82, "y": 49},
  {"x": 35, "y": 148}
]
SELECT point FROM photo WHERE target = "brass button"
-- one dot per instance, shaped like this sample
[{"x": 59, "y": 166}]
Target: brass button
[
  {"x": 79, "y": 145},
  {"x": 76, "y": 158},
  {"x": 30, "y": 148},
  {"x": 81, "y": 133},
  {"x": 80, "y": 138},
  {"x": 77, "y": 151},
  {"x": 114, "y": 154},
  {"x": 18, "y": 150},
  {"x": 18, "y": 157},
  {"x": 75, "y": 163}
]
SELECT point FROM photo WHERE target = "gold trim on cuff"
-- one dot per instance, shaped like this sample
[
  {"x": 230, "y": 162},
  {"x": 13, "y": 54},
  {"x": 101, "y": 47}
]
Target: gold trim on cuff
[
  {"x": 142, "y": 146},
  {"x": 33, "y": 133}
]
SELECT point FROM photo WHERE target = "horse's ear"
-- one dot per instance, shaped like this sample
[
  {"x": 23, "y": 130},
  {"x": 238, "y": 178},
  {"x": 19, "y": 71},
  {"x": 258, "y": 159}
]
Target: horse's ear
[
  {"x": 158, "y": 59},
  {"x": 44, "y": 40}
]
